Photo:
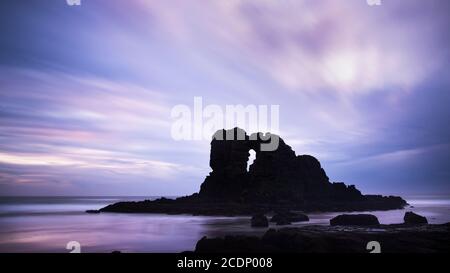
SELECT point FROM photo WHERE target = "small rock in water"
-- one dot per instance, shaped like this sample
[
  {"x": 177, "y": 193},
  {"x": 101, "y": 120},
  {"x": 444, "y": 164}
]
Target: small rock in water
[
  {"x": 414, "y": 219},
  {"x": 92, "y": 211},
  {"x": 291, "y": 217},
  {"x": 259, "y": 220},
  {"x": 298, "y": 217},
  {"x": 283, "y": 222},
  {"x": 355, "y": 220}
]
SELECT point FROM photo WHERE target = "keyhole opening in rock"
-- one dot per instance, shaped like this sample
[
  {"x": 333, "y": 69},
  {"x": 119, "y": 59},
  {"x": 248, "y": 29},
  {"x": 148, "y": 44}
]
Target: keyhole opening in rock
[{"x": 251, "y": 158}]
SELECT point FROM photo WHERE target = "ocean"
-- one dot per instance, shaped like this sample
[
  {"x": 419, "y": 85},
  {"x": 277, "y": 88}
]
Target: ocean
[{"x": 48, "y": 224}]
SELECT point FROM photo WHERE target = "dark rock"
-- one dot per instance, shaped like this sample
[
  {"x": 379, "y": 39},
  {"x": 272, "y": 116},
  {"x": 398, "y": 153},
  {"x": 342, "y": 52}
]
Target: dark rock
[
  {"x": 228, "y": 161},
  {"x": 93, "y": 211},
  {"x": 278, "y": 217},
  {"x": 299, "y": 218},
  {"x": 411, "y": 218},
  {"x": 354, "y": 220},
  {"x": 326, "y": 239},
  {"x": 283, "y": 222},
  {"x": 289, "y": 217},
  {"x": 231, "y": 244},
  {"x": 259, "y": 220},
  {"x": 277, "y": 179},
  {"x": 116, "y": 252}
]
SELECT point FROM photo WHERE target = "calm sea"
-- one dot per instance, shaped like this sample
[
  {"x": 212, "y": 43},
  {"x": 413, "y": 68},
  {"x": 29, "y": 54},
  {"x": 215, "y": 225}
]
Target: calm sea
[{"x": 47, "y": 224}]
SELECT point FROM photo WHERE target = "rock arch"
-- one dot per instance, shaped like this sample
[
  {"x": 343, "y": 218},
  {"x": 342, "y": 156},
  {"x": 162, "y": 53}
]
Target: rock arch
[{"x": 274, "y": 175}]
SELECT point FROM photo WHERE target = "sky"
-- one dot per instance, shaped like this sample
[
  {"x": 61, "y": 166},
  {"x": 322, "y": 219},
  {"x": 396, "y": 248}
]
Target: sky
[{"x": 86, "y": 92}]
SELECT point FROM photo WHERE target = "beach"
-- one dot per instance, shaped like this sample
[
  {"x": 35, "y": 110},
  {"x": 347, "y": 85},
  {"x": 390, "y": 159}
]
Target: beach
[{"x": 47, "y": 224}]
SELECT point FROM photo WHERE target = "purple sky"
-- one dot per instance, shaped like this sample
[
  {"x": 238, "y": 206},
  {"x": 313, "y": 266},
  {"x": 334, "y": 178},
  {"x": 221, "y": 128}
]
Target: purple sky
[{"x": 86, "y": 92}]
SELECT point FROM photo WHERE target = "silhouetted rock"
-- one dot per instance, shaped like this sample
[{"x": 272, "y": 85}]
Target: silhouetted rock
[
  {"x": 230, "y": 244},
  {"x": 277, "y": 179},
  {"x": 354, "y": 220},
  {"x": 298, "y": 217},
  {"x": 335, "y": 239},
  {"x": 92, "y": 211},
  {"x": 283, "y": 221},
  {"x": 411, "y": 218},
  {"x": 259, "y": 220},
  {"x": 278, "y": 217},
  {"x": 288, "y": 217}
]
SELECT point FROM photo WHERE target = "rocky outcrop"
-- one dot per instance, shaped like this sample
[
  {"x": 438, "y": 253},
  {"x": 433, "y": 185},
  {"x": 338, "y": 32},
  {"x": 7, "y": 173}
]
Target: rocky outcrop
[
  {"x": 411, "y": 218},
  {"x": 259, "y": 220},
  {"x": 355, "y": 220},
  {"x": 325, "y": 239},
  {"x": 92, "y": 211},
  {"x": 277, "y": 179},
  {"x": 274, "y": 177},
  {"x": 283, "y": 222},
  {"x": 285, "y": 218}
]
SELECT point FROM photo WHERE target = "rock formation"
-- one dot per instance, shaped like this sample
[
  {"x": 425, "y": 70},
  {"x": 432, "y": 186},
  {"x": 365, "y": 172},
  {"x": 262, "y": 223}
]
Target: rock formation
[
  {"x": 335, "y": 239},
  {"x": 277, "y": 179},
  {"x": 414, "y": 219},
  {"x": 288, "y": 217},
  {"x": 259, "y": 220},
  {"x": 355, "y": 220}
]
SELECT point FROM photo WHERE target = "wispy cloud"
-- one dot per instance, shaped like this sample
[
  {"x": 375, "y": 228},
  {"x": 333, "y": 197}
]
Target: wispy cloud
[
  {"x": 86, "y": 93},
  {"x": 312, "y": 46}
]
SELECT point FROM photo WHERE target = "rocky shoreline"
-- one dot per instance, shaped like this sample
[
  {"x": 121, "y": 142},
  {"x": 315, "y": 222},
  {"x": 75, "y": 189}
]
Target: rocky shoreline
[
  {"x": 368, "y": 236},
  {"x": 277, "y": 180},
  {"x": 287, "y": 186},
  {"x": 335, "y": 239},
  {"x": 195, "y": 206}
]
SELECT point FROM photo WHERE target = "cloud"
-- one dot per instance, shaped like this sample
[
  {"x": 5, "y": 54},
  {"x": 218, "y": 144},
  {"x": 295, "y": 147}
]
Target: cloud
[
  {"x": 311, "y": 46},
  {"x": 90, "y": 109},
  {"x": 51, "y": 120}
]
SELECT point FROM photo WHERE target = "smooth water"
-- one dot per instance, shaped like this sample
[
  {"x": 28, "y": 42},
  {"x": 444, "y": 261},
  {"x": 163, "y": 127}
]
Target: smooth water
[{"x": 47, "y": 224}]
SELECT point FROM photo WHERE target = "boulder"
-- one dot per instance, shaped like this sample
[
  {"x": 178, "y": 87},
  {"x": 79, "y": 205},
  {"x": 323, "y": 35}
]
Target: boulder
[
  {"x": 355, "y": 220},
  {"x": 326, "y": 239},
  {"x": 298, "y": 217},
  {"x": 289, "y": 217},
  {"x": 283, "y": 222},
  {"x": 231, "y": 244},
  {"x": 259, "y": 220},
  {"x": 277, "y": 217},
  {"x": 93, "y": 211},
  {"x": 411, "y": 218}
]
